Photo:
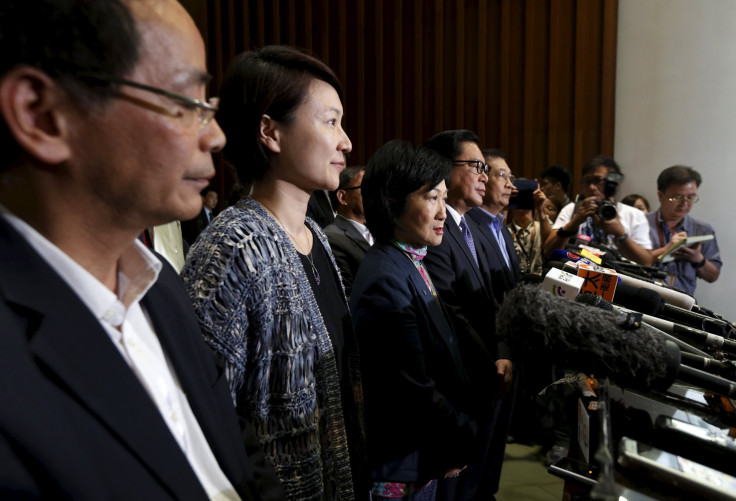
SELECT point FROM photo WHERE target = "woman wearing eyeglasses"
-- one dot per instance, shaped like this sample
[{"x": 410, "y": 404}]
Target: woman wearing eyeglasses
[
  {"x": 416, "y": 387},
  {"x": 265, "y": 285}
]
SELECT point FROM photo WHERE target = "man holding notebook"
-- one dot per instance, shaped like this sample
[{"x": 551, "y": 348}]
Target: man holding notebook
[{"x": 677, "y": 189}]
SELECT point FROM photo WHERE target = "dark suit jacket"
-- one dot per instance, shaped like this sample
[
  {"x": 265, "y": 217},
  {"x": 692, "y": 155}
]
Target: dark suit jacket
[
  {"x": 349, "y": 248},
  {"x": 319, "y": 208},
  {"x": 503, "y": 277},
  {"x": 415, "y": 384},
  {"x": 467, "y": 291},
  {"x": 76, "y": 423},
  {"x": 191, "y": 229}
]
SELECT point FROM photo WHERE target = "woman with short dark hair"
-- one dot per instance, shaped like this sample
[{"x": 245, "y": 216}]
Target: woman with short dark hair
[
  {"x": 265, "y": 286},
  {"x": 414, "y": 380}
]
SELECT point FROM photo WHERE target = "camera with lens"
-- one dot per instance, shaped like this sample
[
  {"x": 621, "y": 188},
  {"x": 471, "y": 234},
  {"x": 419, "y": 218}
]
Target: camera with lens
[{"x": 606, "y": 210}]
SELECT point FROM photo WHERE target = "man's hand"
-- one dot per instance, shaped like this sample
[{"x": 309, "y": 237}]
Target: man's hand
[
  {"x": 587, "y": 207},
  {"x": 693, "y": 254},
  {"x": 539, "y": 198},
  {"x": 454, "y": 472},
  {"x": 611, "y": 227},
  {"x": 505, "y": 373}
]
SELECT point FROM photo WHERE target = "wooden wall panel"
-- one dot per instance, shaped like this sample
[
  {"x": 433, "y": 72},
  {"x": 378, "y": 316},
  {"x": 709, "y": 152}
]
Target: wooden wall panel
[{"x": 535, "y": 78}]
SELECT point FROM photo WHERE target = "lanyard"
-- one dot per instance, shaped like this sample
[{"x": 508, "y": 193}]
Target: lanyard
[{"x": 527, "y": 254}]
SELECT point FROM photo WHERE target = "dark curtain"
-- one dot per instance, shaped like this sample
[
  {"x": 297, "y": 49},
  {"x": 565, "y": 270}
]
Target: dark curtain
[{"x": 535, "y": 78}]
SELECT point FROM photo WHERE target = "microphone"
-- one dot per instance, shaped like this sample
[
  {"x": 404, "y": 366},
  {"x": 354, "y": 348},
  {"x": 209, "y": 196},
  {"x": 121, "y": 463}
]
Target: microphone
[
  {"x": 634, "y": 320},
  {"x": 638, "y": 299},
  {"x": 537, "y": 324},
  {"x": 690, "y": 355},
  {"x": 671, "y": 296},
  {"x": 688, "y": 333},
  {"x": 725, "y": 369},
  {"x": 565, "y": 255},
  {"x": 649, "y": 302},
  {"x": 696, "y": 320}
]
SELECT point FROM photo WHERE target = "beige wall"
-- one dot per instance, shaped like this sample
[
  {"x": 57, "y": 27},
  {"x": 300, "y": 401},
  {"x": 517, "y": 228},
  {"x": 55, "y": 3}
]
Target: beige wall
[{"x": 676, "y": 104}]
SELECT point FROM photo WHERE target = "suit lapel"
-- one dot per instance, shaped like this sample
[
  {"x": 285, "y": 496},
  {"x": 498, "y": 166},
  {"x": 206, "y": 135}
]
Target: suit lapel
[
  {"x": 490, "y": 242},
  {"x": 432, "y": 309},
  {"x": 81, "y": 360},
  {"x": 459, "y": 241},
  {"x": 352, "y": 233}
]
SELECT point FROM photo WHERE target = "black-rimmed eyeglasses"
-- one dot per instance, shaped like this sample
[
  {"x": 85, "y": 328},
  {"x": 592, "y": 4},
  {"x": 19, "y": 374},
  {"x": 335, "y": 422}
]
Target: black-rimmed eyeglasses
[
  {"x": 351, "y": 188},
  {"x": 480, "y": 167},
  {"x": 205, "y": 109}
]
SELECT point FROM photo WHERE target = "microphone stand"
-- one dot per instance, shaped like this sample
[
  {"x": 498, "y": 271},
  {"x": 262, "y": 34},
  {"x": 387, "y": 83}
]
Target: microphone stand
[{"x": 606, "y": 489}]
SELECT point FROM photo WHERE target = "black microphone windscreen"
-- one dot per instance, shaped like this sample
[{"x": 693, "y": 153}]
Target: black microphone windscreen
[
  {"x": 638, "y": 299},
  {"x": 539, "y": 326}
]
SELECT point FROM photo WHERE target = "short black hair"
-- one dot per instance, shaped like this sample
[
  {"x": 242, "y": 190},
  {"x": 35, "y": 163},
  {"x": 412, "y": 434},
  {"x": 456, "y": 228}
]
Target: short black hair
[
  {"x": 271, "y": 81},
  {"x": 67, "y": 39},
  {"x": 493, "y": 153},
  {"x": 207, "y": 190},
  {"x": 395, "y": 171},
  {"x": 447, "y": 143},
  {"x": 346, "y": 177},
  {"x": 677, "y": 174},
  {"x": 558, "y": 174},
  {"x": 601, "y": 160}
]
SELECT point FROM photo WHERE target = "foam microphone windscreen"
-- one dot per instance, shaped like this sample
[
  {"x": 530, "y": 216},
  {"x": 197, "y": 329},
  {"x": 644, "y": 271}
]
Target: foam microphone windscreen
[{"x": 539, "y": 326}]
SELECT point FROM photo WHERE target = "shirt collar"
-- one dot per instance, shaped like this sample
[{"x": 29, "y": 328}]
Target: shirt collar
[
  {"x": 495, "y": 220},
  {"x": 453, "y": 213},
  {"x": 138, "y": 269}
]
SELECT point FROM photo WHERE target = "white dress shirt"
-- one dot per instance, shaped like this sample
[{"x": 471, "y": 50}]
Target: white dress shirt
[{"x": 131, "y": 331}]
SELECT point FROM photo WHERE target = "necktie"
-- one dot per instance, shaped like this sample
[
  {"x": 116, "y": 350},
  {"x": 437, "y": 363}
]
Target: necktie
[{"x": 468, "y": 238}]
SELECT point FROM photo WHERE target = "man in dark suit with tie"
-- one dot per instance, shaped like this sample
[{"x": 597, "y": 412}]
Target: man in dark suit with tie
[
  {"x": 348, "y": 235},
  {"x": 107, "y": 389},
  {"x": 462, "y": 276},
  {"x": 192, "y": 228}
]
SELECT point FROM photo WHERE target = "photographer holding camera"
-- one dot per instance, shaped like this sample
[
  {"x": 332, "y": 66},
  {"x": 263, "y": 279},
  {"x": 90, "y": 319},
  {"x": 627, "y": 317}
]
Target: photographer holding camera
[{"x": 599, "y": 217}]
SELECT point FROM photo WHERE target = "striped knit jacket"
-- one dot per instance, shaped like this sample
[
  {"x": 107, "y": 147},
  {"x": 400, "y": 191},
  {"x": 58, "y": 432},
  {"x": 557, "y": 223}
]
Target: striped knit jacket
[{"x": 258, "y": 313}]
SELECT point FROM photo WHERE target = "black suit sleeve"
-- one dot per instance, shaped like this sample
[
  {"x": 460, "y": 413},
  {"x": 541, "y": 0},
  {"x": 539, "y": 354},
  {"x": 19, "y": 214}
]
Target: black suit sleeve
[
  {"x": 400, "y": 362},
  {"x": 343, "y": 260},
  {"x": 472, "y": 312}
]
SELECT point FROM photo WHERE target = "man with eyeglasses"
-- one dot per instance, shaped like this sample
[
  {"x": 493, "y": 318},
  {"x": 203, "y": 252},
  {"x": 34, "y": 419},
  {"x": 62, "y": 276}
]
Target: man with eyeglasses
[
  {"x": 462, "y": 275},
  {"x": 107, "y": 389},
  {"x": 677, "y": 190},
  {"x": 349, "y": 237},
  {"x": 628, "y": 231}
]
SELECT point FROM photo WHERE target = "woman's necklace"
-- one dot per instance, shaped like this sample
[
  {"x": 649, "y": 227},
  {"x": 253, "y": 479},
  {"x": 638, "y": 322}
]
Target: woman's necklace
[{"x": 296, "y": 242}]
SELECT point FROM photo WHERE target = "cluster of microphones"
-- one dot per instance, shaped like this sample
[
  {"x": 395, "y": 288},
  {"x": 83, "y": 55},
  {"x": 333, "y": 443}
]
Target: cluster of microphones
[{"x": 603, "y": 315}]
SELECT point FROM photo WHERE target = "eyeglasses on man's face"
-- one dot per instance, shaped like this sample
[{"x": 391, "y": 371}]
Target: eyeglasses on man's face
[
  {"x": 678, "y": 199},
  {"x": 480, "y": 167},
  {"x": 351, "y": 188},
  {"x": 596, "y": 180},
  {"x": 505, "y": 175},
  {"x": 205, "y": 109}
]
